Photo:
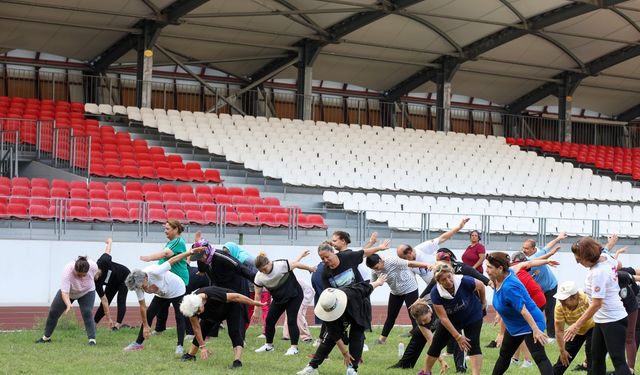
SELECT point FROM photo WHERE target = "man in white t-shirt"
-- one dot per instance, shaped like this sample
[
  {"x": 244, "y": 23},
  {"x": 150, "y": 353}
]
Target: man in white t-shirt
[
  {"x": 424, "y": 252},
  {"x": 168, "y": 289}
]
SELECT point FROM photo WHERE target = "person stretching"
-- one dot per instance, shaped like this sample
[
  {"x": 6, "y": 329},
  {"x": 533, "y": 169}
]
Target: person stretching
[
  {"x": 277, "y": 276},
  {"x": 77, "y": 284}
]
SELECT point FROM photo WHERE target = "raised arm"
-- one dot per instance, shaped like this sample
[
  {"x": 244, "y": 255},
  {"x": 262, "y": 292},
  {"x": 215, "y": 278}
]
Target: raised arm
[
  {"x": 554, "y": 242},
  {"x": 303, "y": 254},
  {"x": 372, "y": 240},
  {"x": 612, "y": 241},
  {"x": 372, "y": 250},
  {"x": 534, "y": 263},
  {"x": 550, "y": 253},
  {"x": 446, "y": 235},
  {"x": 107, "y": 248},
  {"x": 414, "y": 264},
  {"x": 239, "y": 298},
  {"x": 620, "y": 251},
  {"x": 293, "y": 264}
]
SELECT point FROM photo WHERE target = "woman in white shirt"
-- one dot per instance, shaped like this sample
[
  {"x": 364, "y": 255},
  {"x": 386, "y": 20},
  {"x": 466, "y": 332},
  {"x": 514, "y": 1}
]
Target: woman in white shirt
[
  {"x": 403, "y": 285},
  {"x": 606, "y": 307},
  {"x": 277, "y": 276}
]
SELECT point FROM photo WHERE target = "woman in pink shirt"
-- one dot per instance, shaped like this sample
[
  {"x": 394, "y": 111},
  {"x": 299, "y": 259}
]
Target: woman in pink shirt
[
  {"x": 77, "y": 284},
  {"x": 475, "y": 252}
]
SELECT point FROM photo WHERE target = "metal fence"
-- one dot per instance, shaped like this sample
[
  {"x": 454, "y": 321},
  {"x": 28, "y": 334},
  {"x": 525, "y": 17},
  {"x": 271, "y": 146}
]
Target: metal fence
[{"x": 180, "y": 94}]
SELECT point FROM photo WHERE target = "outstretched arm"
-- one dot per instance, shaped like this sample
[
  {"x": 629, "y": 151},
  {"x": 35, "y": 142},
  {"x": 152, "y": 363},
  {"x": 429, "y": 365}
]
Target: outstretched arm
[
  {"x": 550, "y": 253},
  {"x": 554, "y": 242},
  {"x": 239, "y": 298},
  {"x": 293, "y": 264},
  {"x": 372, "y": 250},
  {"x": 534, "y": 263},
  {"x": 107, "y": 248},
  {"x": 612, "y": 241},
  {"x": 372, "y": 240},
  {"x": 446, "y": 235},
  {"x": 414, "y": 264}
]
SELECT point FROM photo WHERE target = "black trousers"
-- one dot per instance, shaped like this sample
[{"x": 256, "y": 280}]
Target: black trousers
[
  {"x": 393, "y": 309},
  {"x": 573, "y": 347},
  {"x": 110, "y": 291},
  {"x": 158, "y": 304},
  {"x": 549, "y": 311},
  {"x": 609, "y": 338},
  {"x": 275, "y": 312},
  {"x": 235, "y": 326},
  {"x": 442, "y": 336},
  {"x": 509, "y": 346},
  {"x": 334, "y": 332}
]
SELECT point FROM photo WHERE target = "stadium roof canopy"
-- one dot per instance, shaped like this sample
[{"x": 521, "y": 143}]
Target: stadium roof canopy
[{"x": 513, "y": 52}]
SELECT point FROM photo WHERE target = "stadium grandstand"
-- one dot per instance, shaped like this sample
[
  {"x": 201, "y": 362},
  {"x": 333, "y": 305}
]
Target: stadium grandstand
[{"x": 275, "y": 123}]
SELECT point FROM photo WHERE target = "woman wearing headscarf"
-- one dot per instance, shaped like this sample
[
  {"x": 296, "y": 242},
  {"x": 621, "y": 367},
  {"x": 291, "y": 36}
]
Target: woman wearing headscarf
[{"x": 110, "y": 282}]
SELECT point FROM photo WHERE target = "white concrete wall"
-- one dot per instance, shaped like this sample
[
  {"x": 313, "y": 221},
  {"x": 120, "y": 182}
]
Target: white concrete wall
[{"x": 30, "y": 270}]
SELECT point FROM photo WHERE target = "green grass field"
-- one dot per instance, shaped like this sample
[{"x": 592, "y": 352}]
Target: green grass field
[{"x": 70, "y": 354}]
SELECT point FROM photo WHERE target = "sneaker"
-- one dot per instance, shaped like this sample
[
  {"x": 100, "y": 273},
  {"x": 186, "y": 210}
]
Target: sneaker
[
  {"x": 262, "y": 336},
  {"x": 492, "y": 344},
  {"x": 264, "y": 348},
  {"x": 114, "y": 329},
  {"x": 186, "y": 357},
  {"x": 365, "y": 348},
  {"x": 551, "y": 340},
  {"x": 92, "y": 342},
  {"x": 133, "y": 347},
  {"x": 351, "y": 371},
  {"x": 156, "y": 333},
  {"x": 526, "y": 364},
  {"x": 126, "y": 326},
  {"x": 236, "y": 364},
  {"x": 291, "y": 351},
  {"x": 179, "y": 350},
  {"x": 580, "y": 367},
  {"x": 316, "y": 343},
  {"x": 515, "y": 362},
  {"x": 307, "y": 370},
  {"x": 42, "y": 340},
  {"x": 422, "y": 372},
  {"x": 308, "y": 340},
  {"x": 188, "y": 338}
]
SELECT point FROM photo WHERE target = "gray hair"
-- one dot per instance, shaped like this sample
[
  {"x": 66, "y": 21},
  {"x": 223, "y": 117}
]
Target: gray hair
[{"x": 135, "y": 280}]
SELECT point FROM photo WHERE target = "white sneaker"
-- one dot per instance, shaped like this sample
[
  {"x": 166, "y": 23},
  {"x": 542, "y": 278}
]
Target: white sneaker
[
  {"x": 365, "y": 348},
  {"x": 188, "y": 338},
  {"x": 179, "y": 350},
  {"x": 351, "y": 371},
  {"x": 156, "y": 333},
  {"x": 551, "y": 340},
  {"x": 291, "y": 351},
  {"x": 262, "y": 336},
  {"x": 515, "y": 362},
  {"x": 265, "y": 348},
  {"x": 307, "y": 370},
  {"x": 526, "y": 364}
]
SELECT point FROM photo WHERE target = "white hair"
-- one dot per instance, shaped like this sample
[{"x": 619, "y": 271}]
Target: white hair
[
  {"x": 135, "y": 280},
  {"x": 190, "y": 305}
]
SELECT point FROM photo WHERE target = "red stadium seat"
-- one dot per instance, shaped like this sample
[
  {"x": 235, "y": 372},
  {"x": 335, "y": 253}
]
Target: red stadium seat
[
  {"x": 247, "y": 219},
  {"x": 37, "y": 211},
  {"x": 157, "y": 216},
  {"x": 219, "y": 190},
  {"x": 40, "y": 182},
  {"x": 232, "y": 219},
  {"x": 181, "y": 174},
  {"x": 235, "y": 191},
  {"x": 202, "y": 189},
  {"x": 120, "y": 214},
  {"x": 196, "y": 217},
  {"x": 196, "y": 175},
  {"x": 184, "y": 189},
  {"x": 77, "y": 213},
  {"x": 212, "y": 175},
  {"x": 165, "y": 174},
  {"x": 210, "y": 217},
  {"x": 282, "y": 219},
  {"x": 176, "y": 214},
  {"x": 268, "y": 219},
  {"x": 134, "y": 185},
  {"x": 311, "y": 221},
  {"x": 97, "y": 185},
  {"x": 271, "y": 201},
  {"x": 251, "y": 192},
  {"x": 99, "y": 213},
  {"x": 17, "y": 211}
]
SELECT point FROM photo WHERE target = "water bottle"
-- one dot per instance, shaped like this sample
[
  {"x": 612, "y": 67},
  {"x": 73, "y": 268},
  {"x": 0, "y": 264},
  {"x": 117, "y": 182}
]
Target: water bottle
[{"x": 400, "y": 349}]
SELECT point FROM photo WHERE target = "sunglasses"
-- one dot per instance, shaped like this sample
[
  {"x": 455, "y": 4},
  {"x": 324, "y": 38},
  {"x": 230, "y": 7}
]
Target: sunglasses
[{"x": 490, "y": 258}]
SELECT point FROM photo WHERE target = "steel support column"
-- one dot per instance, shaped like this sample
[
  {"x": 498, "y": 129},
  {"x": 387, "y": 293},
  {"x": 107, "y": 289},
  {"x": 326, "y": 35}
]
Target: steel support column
[
  {"x": 443, "y": 99},
  {"x": 304, "y": 83}
]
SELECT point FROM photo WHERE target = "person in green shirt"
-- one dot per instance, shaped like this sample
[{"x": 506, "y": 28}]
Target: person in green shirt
[{"x": 176, "y": 245}]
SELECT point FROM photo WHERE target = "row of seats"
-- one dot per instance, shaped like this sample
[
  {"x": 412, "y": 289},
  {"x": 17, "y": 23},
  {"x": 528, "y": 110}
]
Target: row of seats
[
  {"x": 364, "y": 157},
  {"x": 112, "y": 154},
  {"x": 618, "y": 159},
  {"x": 123, "y": 214},
  {"x": 39, "y": 198},
  {"x": 404, "y": 211}
]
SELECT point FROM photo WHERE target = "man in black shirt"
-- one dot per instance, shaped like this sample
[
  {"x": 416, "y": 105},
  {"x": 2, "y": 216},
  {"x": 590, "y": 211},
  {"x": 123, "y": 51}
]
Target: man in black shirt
[
  {"x": 208, "y": 307},
  {"x": 109, "y": 283}
]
